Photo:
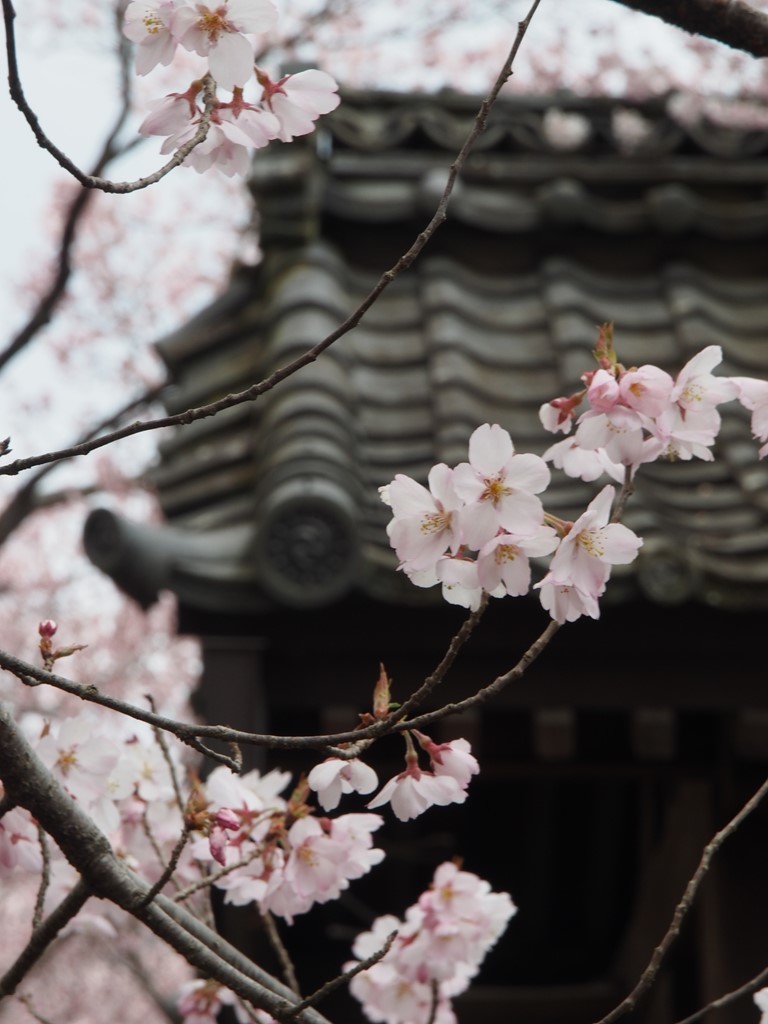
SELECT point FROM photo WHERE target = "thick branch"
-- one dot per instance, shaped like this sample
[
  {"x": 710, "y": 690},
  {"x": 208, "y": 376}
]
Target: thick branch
[
  {"x": 732, "y": 22},
  {"x": 104, "y": 875}
]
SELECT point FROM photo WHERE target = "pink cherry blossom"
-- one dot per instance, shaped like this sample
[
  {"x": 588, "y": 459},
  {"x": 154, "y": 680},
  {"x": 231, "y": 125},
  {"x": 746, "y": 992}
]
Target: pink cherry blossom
[
  {"x": 172, "y": 113},
  {"x": 298, "y": 100},
  {"x": 459, "y": 579},
  {"x": 149, "y": 24},
  {"x": 646, "y": 390},
  {"x": 453, "y": 758},
  {"x": 218, "y": 33},
  {"x": 753, "y": 395},
  {"x": 442, "y": 942},
  {"x": 582, "y": 463},
  {"x": 603, "y": 391},
  {"x": 335, "y": 776},
  {"x": 504, "y": 561},
  {"x": 685, "y": 434},
  {"x": 413, "y": 791},
  {"x": 619, "y": 432},
  {"x": 499, "y": 487},
  {"x": 696, "y": 389},
  {"x": 761, "y": 1002},
  {"x": 557, "y": 415},
  {"x": 566, "y": 603},
  {"x": 425, "y": 523},
  {"x": 592, "y": 545}
]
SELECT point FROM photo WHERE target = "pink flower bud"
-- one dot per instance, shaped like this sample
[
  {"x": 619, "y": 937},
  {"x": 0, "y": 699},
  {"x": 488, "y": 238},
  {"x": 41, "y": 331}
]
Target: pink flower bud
[
  {"x": 47, "y": 628},
  {"x": 217, "y": 842},
  {"x": 226, "y": 818}
]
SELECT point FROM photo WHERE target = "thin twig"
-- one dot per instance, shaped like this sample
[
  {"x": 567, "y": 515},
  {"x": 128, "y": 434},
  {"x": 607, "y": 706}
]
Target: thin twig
[
  {"x": 648, "y": 976},
  {"x": 433, "y": 680},
  {"x": 435, "y": 986},
  {"x": 214, "y": 876},
  {"x": 275, "y": 940},
  {"x": 253, "y": 392},
  {"x": 340, "y": 979},
  {"x": 77, "y": 208},
  {"x": 42, "y": 937},
  {"x": 170, "y": 867},
  {"x": 45, "y": 878},
  {"x": 747, "y": 989},
  {"x": 162, "y": 743}
]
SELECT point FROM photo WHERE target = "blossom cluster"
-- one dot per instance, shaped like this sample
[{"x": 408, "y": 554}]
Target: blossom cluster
[
  {"x": 246, "y": 838},
  {"x": 223, "y": 34},
  {"x": 452, "y": 765},
  {"x": 476, "y": 527},
  {"x": 438, "y": 948},
  {"x": 281, "y": 856}
]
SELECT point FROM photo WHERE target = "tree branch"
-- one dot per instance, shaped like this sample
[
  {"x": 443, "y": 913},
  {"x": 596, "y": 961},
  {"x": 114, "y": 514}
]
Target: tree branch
[
  {"x": 104, "y": 875},
  {"x": 648, "y": 976},
  {"x": 732, "y": 22},
  {"x": 42, "y": 937},
  {"x": 758, "y": 982},
  {"x": 26, "y": 501},
  {"x": 50, "y": 300}
]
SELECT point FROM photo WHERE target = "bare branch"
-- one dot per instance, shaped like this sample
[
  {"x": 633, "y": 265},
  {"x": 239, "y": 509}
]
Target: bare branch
[
  {"x": 648, "y": 976},
  {"x": 746, "y": 989},
  {"x": 26, "y": 500},
  {"x": 256, "y": 390},
  {"x": 50, "y": 300},
  {"x": 732, "y": 22},
  {"x": 275, "y": 940},
  {"x": 170, "y": 867},
  {"x": 340, "y": 979}
]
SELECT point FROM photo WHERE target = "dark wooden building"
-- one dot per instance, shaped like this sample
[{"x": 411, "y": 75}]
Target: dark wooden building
[{"x": 611, "y": 763}]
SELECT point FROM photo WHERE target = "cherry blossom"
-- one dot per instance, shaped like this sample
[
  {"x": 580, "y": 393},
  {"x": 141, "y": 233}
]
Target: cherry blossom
[
  {"x": 453, "y": 758},
  {"x": 761, "y": 1002},
  {"x": 442, "y": 941},
  {"x": 298, "y": 100},
  {"x": 218, "y": 33},
  {"x": 647, "y": 390},
  {"x": 425, "y": 524},
  {"x": 592, "y": 545},
  {"x": 753, "y": 395},
  {"x": 696, "y": 388},
  {"x": 413, "y": 790},
  {"x": 149, "y": 23},
  {"x": 504, "y": 560},
  {"x": 584, "y": 463},
  {"x": 566, "y": 603},
  {"x": 335, "y": 776},
  {"x": 499, "y": 487}
]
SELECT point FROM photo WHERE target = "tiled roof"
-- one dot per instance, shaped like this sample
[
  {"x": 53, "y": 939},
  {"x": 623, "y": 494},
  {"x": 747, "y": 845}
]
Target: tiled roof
[{"x": 275, "y": 503}]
